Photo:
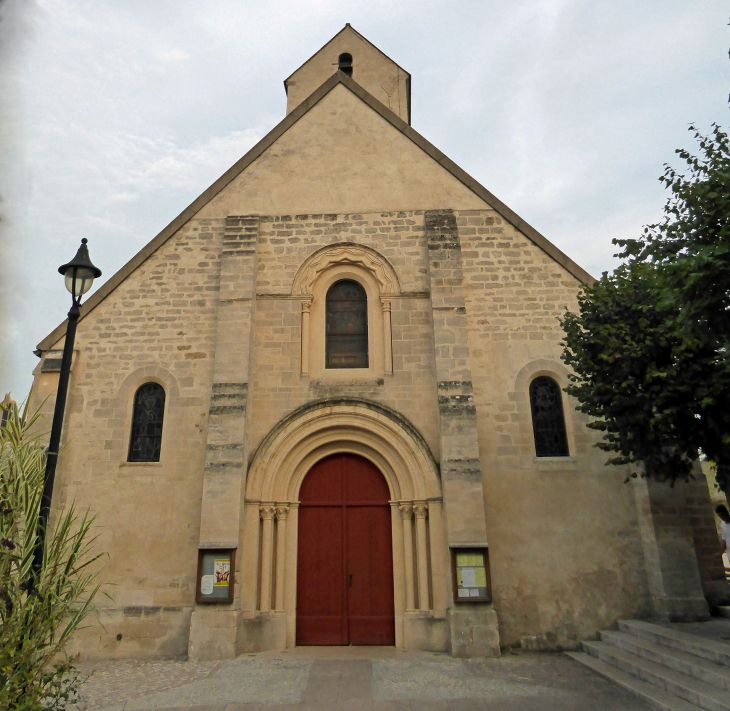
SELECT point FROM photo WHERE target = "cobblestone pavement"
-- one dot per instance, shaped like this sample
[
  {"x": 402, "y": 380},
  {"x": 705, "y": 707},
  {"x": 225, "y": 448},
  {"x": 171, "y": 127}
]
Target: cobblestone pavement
[{"x": 356, "y": 679}]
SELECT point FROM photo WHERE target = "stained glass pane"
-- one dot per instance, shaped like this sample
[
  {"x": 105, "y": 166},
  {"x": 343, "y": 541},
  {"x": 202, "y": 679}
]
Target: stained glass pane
[
  {"x": 548, "y": 421},
  {"x": 149, "y": 410},
  {"x": 346, "y": 326}
]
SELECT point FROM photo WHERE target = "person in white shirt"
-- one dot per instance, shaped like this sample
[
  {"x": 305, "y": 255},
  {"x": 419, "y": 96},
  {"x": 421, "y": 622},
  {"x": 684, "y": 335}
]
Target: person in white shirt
[{"x": 724, "y": 514}]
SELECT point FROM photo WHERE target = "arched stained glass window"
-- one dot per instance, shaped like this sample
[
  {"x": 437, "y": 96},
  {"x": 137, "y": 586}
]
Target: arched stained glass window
[
  {"x": 548, "y": 421},
  {"x": 147, "y": 416},
  {"x": 346, "y": 340}
]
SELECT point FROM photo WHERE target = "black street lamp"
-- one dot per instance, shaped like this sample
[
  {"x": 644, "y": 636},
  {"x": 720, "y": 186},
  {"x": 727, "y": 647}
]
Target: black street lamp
[{"x": 80, "y": 274}]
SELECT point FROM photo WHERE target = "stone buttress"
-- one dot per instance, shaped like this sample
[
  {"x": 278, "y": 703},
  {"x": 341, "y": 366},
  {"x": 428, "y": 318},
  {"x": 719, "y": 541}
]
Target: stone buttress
[
  {"x": 213, "y": 630},
  {"x": 473, "y": 627}
]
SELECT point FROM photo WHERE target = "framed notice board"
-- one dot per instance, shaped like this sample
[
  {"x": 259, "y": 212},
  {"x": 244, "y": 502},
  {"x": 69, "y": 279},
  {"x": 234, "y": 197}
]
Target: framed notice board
[
  {"x": 215, "y": 576},
  {"x": 470, "y": 571}
]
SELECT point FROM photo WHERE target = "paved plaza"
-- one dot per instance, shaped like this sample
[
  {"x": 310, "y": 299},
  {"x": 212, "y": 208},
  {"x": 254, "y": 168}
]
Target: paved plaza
[{"x": 353, "y": 678}]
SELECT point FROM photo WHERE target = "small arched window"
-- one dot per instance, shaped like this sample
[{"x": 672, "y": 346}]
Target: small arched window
[
  {"x": 548, "y": 420},
  {"x": 345, "y": 63},
  {"x": 346, "y": 329},
  {"x": 147, "y": 416}
]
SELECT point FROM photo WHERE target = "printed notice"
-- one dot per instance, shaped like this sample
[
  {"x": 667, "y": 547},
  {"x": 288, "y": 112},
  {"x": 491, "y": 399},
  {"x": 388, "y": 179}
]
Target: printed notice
[
  {"x": 463, "y": 592},
  {"x": 468, "y": 578},
  {"x": 474, "y": 592},
  {"x": 206, "y": 584},
  {"x": 480, "y": 575},
  {"x": 222, "y": 572}
]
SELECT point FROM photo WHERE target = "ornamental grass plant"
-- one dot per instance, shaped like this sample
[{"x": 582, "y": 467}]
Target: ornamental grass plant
[{"x": 38, "y": 616}]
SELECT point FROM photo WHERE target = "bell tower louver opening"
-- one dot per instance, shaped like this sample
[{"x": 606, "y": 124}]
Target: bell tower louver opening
[
  {"x": 344, "y": 62},
  {"x": 379, "y": 75}
]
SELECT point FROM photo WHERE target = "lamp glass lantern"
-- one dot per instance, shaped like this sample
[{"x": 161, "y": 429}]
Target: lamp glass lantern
[{"x": 79, "y": 273}]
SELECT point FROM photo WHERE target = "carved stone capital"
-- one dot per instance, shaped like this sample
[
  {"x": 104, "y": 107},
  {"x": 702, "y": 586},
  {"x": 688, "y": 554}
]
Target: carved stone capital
[
  {"x": 420, "y": 508},
  {"x": 281, "y": 511},
  {"x": 306, "y": 306},
  {"x": 386, "y": 305},
  {"x": 268, "y": 511},
  {"x": 406, "y": 510}
]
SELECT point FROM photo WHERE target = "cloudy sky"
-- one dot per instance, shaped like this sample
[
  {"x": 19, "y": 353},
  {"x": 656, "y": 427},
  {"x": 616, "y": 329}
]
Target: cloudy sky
[{"x": 115, "y": 115}]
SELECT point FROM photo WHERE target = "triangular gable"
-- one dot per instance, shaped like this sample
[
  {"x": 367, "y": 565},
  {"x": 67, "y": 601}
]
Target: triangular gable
[
  {"x": 347, "y": 27},
  {"x": 338, "y": 78},
  {"x": 374, "y": 70}
]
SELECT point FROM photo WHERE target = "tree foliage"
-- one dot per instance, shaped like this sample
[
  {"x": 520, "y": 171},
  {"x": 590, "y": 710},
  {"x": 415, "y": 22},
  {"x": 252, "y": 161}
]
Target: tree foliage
[
  {"x": 649, "y": 345},
  {"x": 37, "y": 616}
]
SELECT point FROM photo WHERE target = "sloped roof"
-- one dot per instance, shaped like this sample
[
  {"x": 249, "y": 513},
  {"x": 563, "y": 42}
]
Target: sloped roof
[{"x": 338, "y": 78}]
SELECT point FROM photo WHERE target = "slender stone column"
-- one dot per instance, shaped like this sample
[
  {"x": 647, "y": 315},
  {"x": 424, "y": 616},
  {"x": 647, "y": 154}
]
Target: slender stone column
[
  {"x": 281, "y": 512},
  {"x": 306, "y": 306},
  {"x": 387, "y": 340},
  {"x": 420, "y": 508},
  {"x": 290, "y": 574},
  {"x": 407, "y": 513},
  {"x": 439, "y": 563},
  {"x": 399, "y": 569},
  {"x": 267, "y": 554}
]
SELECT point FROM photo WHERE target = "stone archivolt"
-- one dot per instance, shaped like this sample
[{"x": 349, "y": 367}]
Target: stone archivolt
[
  {"x": 272, "y": 491},
  {"x": 342, "y": 254}
]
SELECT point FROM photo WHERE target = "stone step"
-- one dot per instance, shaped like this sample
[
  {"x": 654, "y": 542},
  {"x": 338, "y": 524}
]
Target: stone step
[
  {"x": 711, "y": 673},
  {"x": 714, "y": 650},
  {"x": 685, "y": 687},
  {"x": 656, "y": 698}
]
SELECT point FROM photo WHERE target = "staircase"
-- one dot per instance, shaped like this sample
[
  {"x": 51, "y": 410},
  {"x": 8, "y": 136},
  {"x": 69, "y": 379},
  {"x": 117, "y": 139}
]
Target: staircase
[{"x": 671, "y": 670}]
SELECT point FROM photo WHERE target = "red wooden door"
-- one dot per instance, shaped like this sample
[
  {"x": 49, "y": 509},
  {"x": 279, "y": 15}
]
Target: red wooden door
[{"x": 345, "y": 559}]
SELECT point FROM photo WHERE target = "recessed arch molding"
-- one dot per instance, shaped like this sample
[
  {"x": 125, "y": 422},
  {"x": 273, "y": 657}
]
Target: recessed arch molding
[
  {"x": 345, "y": 253},
  {"x": 323, "y": 427}
]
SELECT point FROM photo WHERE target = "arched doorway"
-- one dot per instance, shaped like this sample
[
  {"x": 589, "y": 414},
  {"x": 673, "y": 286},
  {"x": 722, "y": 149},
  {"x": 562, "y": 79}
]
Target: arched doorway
[{"x": 345, "y": 555}]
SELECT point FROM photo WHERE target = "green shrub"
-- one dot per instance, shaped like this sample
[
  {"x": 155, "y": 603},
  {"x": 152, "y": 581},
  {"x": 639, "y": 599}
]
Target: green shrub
[{"x": 37, "y": 617}]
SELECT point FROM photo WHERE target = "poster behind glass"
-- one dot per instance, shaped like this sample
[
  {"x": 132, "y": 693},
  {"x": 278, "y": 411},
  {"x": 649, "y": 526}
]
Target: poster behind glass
[
  {"x": 471, "y": 575},
  {"x": 215, "y": 576}
]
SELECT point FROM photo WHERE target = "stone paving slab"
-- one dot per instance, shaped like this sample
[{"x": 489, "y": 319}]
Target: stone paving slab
[{"x": 350, "y": 679}]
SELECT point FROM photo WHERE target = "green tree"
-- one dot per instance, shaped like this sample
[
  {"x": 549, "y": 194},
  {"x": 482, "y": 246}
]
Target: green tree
[
  {"x": 649, "y": 345},
  {"x": 36, "y": 620}
]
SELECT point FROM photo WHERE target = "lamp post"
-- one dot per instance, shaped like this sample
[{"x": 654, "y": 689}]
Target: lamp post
[{"x": 79, "y": 274}]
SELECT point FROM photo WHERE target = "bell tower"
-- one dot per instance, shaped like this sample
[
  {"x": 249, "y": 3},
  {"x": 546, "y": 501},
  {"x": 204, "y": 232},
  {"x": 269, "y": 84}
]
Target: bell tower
[{"x": 352, "y": 54}]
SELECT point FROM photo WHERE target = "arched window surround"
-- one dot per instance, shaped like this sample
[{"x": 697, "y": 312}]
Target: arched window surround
[
  {"x": 580, "y": 440},
  {"x": 318, "y": 318},
  {"x": 152, "y": 449},
  {"x": 558, "y": 429},
  {"x": 313, "y": 280},
  {"x": 172, "y": 421}
]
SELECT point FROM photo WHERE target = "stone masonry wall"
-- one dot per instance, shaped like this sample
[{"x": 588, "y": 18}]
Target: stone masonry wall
[
  {"x": 158, "y": 324},
  {"x": 564, "y": 546},
  {"x": 277, "y": 387},
  {"x": 556, "y": 545}
]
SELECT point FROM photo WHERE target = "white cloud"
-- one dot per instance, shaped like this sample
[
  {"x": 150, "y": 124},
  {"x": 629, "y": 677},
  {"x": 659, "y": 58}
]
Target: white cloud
[
  {"x": 173, "y": 55},
  {"x": 117, "y": 115}
]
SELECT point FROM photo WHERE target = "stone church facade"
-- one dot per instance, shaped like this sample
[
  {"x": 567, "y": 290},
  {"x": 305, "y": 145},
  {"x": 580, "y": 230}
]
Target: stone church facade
[{"x": 269, "y": 400}]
